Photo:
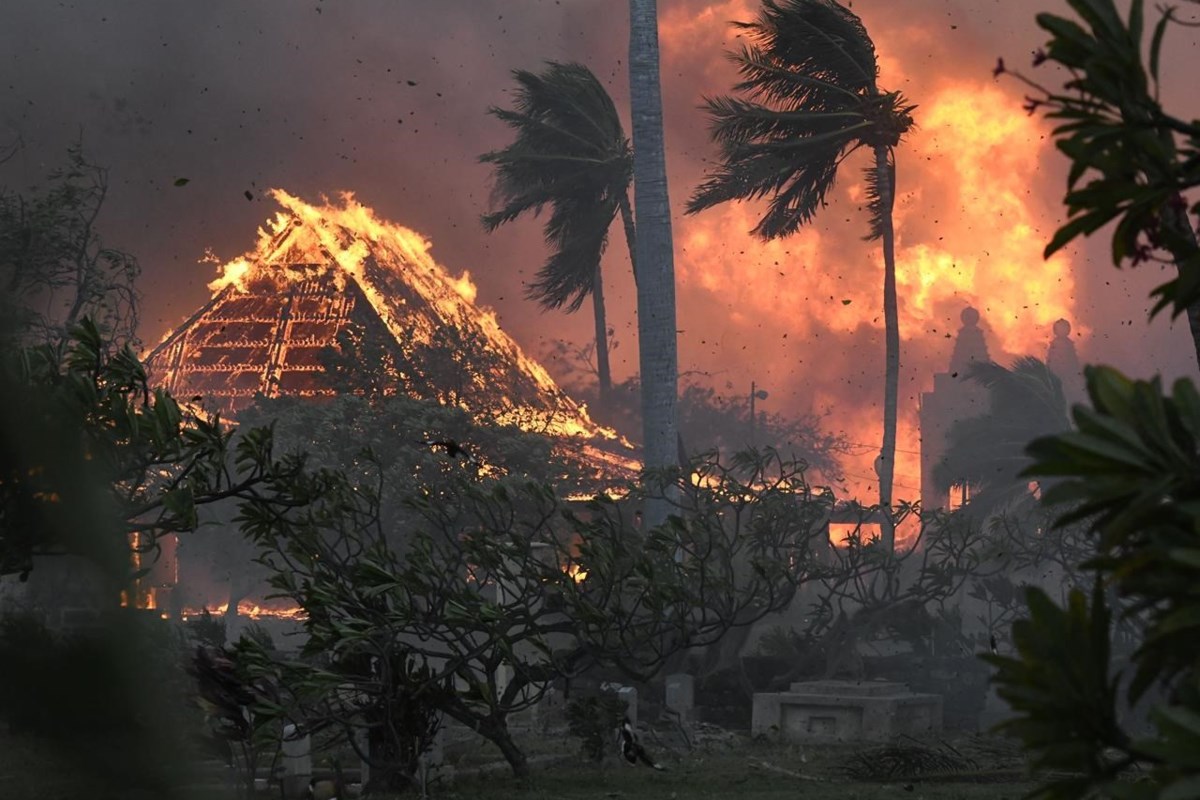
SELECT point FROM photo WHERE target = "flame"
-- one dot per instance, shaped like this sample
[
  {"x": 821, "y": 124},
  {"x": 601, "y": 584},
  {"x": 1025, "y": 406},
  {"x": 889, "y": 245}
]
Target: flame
[
  {"x": 841, "y": 532},
  {"x": 804, "y": 315},
  {"x": 233, "y": 274},
  {"x": 306, "y": 237},
  {"x": 576, "y": 572},
  {"x": 247, "y": 608}
]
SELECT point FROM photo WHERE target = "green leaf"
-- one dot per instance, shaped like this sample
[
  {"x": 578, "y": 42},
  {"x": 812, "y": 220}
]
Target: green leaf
[{"x": 1081, "y": 225}]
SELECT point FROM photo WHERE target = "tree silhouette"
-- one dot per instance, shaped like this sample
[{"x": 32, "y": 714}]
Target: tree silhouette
[
  {"x": 987, "y": 453},
  {"x": 570, "y": 153}
]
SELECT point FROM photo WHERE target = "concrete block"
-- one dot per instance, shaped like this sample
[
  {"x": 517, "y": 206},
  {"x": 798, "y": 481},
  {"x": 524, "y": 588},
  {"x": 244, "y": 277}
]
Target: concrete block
[
  {"x": 681, "y": 695},
  {"x": 296, "y": 762},
  {"x": 817, "y": 711}
]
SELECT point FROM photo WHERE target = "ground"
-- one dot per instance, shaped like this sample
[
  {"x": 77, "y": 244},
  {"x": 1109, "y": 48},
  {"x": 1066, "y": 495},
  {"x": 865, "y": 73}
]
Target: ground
[
  {"x": 721, "y": 767},
  {"x": 726, "y": 767}
]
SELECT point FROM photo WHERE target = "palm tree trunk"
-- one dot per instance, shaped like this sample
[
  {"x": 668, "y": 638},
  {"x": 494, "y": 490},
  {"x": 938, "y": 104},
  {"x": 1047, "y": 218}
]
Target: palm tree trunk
[
  {"x": 630, "y": 234},
  {"x": 602, "y": 367},
  {"x": 886, "y": 172},
  {"x": 657, "y": 345}
]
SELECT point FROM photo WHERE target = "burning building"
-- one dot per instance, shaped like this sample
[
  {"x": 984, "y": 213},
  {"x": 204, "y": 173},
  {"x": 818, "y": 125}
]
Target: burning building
[
  {"x": 332, "y": 293},
  {"x": 333, "y": 299},
  {"x": 324, "y": 277}
]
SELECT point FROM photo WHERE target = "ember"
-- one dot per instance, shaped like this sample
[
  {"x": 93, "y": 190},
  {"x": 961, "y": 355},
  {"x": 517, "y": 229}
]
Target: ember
[{"x": 247, "y": 609}]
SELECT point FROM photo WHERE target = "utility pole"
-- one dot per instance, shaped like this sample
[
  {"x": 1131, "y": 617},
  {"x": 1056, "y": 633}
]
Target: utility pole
[{"x": 755, "y": 394}]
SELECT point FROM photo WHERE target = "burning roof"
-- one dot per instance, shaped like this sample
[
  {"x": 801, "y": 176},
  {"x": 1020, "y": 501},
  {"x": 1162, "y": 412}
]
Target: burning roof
[{"x": 322, "y": 277}]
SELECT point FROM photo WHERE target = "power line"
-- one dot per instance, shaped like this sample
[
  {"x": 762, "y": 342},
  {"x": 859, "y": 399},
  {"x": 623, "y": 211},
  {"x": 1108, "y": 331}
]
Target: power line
[
  {"x": 876, "y": 478},
  {"x": 874, "y": 446}
]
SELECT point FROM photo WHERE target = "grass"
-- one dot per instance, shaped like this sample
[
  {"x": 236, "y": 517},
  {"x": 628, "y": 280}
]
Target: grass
[
  {"x": 766, "y": 771},
  {"x": 732, "y": 767}
]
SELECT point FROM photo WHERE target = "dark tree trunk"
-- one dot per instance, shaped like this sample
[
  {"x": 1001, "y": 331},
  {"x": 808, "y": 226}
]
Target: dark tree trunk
[
  {"x": 630, "y": 234},
  {"x": 886, "y": 171},
  {"x": 390, "y": 771},
  {"x": 602, "y": 368},
  {"x": 497, "y": 733},
  {"x": 657, "y": 345}
]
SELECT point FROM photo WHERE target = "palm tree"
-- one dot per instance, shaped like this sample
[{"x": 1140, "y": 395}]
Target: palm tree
[
  {"x": 657, "y": 346},
  {"x": 809, "y": 70},
  {"x": 987, "y": 453},
  {"x": 571, "y": 154}
]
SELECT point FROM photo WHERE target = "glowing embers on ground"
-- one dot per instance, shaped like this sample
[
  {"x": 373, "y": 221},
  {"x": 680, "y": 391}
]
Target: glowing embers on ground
[{"x": 249, "y": 609}]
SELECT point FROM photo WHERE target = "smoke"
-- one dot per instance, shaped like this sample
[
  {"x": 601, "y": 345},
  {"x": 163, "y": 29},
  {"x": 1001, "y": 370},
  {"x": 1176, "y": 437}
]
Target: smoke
[{"x": 388, "y": 99}]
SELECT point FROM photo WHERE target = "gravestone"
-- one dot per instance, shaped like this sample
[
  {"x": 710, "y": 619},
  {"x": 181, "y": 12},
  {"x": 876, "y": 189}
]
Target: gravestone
[
  {"x": 817, "y": 711},
  {"x": 361, "y": 739},
  {"x": 296, "y": 762},
  {"x": 681, "y": 695}
]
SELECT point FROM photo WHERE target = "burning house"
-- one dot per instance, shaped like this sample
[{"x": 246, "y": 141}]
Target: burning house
[
  {"x": 333, "y": 299},
  {"x": 333, "y": 294},
  {"x": 324, "y": 277}
]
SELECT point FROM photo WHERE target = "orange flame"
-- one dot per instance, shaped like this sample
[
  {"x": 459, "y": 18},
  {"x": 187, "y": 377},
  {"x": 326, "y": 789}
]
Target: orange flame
[
  {"x": 970, "y": 228},
  {"x": 350, "y": 236},
  {"x": 248, "y": 609}
]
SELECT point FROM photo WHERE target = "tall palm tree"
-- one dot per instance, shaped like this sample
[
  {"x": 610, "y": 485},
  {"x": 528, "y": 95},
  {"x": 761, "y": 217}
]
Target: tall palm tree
[
  {"x": 987, "y": 453},
  {"x": 809, "y": 71},
  {"x": 571, "y": 154},
  {"x": 657, "y": 345}
]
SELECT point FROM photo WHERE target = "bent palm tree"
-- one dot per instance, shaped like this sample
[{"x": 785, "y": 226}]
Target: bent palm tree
[
  {"x": 987, "y": 453},
  {"x": 570, "y": 153},
  {"x": 809, "y": 71}
]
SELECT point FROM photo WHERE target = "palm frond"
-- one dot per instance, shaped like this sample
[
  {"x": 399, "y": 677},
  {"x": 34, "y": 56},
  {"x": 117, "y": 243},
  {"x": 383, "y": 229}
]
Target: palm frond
[
  {"x": 570, "y": 154},
  {"x": 817, "y": 38},
  {"x": 797, "y": 174},
  {"x": 809, "y": 70},
  {"x": 736, "y": 121},
  {"x": 1026, "y": 402},
  {"x": 577, "y": 237},
  {"x": 765, "y": 79}
]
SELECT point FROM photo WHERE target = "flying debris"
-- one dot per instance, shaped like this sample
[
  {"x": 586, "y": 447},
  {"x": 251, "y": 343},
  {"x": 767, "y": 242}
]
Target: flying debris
[
  {"x": 182, "y": 181},
  {"x": 452, "y": 448},
  {"x": 248, "y": 195},
  {"x": 632, "y": 749}
]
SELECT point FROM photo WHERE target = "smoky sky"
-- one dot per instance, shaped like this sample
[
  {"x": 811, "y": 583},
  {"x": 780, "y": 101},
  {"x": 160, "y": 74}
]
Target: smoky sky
[{"x": 389, "y": 99}]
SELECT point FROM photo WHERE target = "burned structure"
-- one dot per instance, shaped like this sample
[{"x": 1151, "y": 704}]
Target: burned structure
[
  {"x": 955, "y": 397},
  {"x": 337, "y": 278},
  {"x": 333, "y": 299}
]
